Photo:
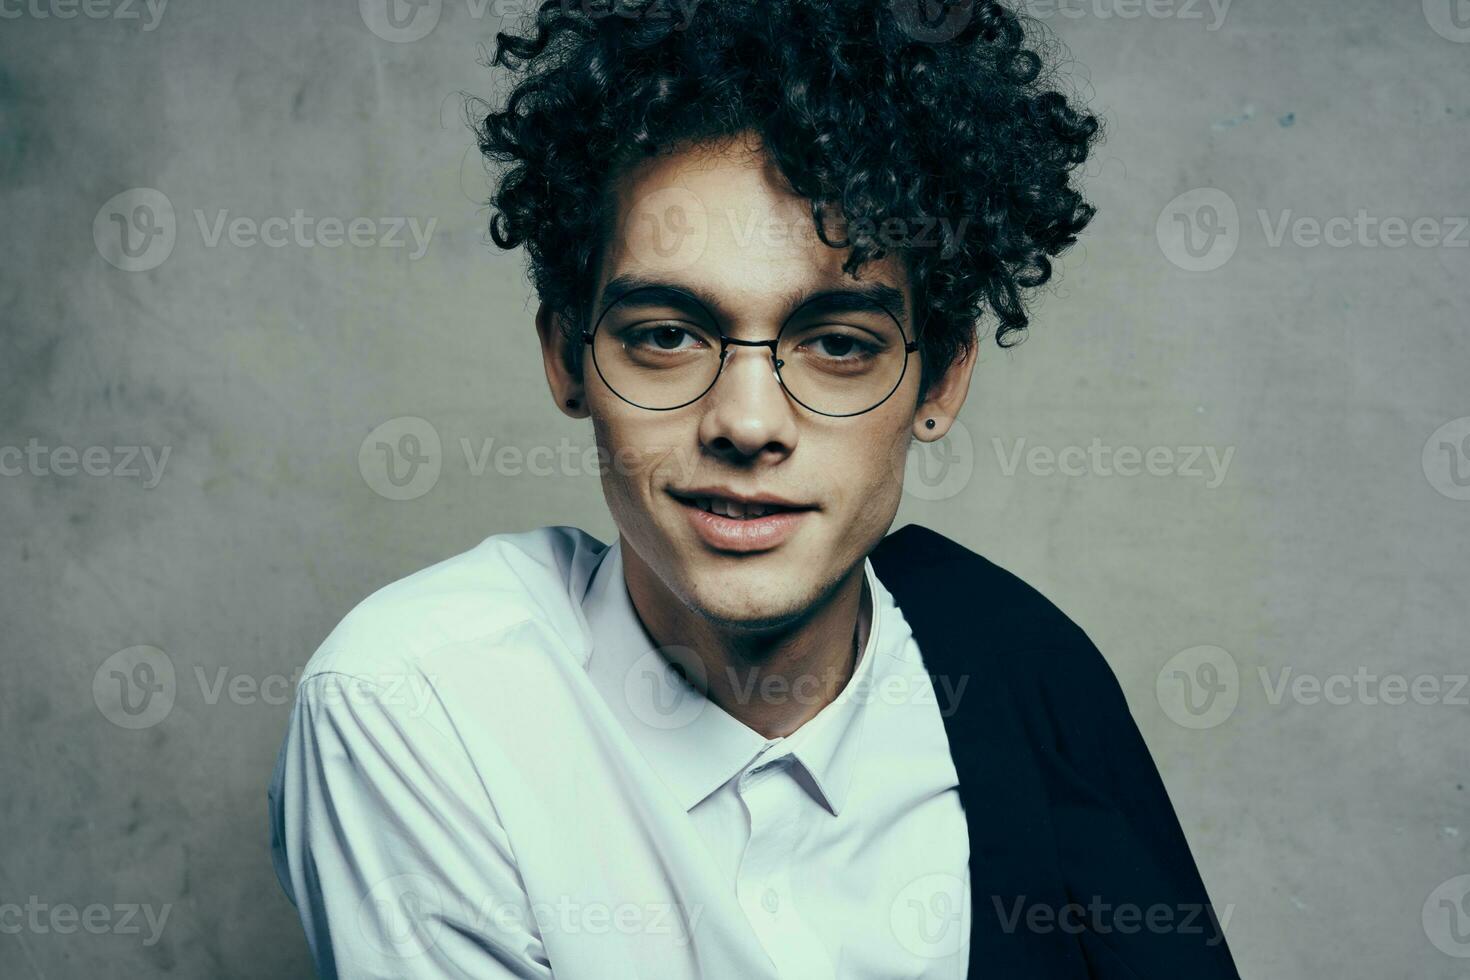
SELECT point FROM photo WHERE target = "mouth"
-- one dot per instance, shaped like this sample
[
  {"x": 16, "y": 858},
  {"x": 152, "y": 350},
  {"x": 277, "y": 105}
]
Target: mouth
[
  {"x": 737, "y": 508},
  {"x": 728, "y": 522}
]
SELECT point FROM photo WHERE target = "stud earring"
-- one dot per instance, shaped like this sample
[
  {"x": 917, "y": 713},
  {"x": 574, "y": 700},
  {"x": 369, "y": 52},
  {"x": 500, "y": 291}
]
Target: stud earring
[
  {"x": 928, "y": 423},
  {"x": 571, "y": 403}
]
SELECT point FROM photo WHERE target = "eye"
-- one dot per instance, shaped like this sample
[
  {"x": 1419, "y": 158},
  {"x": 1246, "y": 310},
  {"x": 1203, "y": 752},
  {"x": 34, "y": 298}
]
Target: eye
[
  {"x": 839, "y": 346},
  {"x": 660, "y": 337}
]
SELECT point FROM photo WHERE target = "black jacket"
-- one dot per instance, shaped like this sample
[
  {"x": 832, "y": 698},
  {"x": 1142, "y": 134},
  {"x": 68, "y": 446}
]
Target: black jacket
[{"x": 1078, "y": 865}]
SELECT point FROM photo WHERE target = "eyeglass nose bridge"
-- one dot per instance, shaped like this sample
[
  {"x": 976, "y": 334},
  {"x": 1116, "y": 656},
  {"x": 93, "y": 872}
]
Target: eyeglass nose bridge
[{"x": 770, "y": 345}]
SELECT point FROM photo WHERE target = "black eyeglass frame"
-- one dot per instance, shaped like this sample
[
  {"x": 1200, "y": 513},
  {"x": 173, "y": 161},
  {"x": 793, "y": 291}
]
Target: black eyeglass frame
[{"x": 772, "y": 345}]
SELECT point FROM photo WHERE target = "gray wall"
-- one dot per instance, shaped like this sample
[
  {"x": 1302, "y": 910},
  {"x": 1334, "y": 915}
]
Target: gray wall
[{"x": 1331, "y": 541}]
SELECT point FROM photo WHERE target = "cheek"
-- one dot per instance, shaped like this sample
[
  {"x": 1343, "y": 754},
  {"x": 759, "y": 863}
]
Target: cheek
[
  {"x": 864, "y": 471},
  {"x": 887, "y": 472},
  {"x": 640, "y": 457}
]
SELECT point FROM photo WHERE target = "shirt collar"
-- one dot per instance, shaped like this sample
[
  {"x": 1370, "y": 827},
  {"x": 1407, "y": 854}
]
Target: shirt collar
[{"x": 693, "y": 744}]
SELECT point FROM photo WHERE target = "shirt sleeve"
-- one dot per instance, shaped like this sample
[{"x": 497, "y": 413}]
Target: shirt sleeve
[{"x": 383, "y": 836}]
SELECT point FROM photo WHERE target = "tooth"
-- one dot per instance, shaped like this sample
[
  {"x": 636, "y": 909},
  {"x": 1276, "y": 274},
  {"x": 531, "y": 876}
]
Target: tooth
[{"x": 704, "y": 503}]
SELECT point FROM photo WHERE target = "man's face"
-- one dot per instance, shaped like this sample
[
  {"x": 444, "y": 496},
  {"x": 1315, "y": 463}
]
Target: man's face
[{"x": 715, "y": 221}]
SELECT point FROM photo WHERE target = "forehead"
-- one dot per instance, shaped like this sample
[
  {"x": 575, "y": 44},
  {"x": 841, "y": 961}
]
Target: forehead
[{"x": 717, "y": 219}]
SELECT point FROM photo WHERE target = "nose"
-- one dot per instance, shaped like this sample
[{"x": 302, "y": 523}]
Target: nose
[{"x": 747, "y": 412}]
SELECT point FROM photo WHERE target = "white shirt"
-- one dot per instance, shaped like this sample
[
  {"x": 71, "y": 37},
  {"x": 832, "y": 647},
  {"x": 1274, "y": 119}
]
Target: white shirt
[{"x": 490, "y": 771}]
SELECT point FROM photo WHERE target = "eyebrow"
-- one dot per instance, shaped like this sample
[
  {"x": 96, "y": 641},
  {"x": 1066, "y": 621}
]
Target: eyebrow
[{"x": 874, "y": 297}]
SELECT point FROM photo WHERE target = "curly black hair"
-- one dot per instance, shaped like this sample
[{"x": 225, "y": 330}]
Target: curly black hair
[{"x": 879, "y": 109}]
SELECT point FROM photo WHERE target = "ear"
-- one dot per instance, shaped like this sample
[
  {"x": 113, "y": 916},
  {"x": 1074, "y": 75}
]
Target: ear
[
  {"x": 566, "y": 388},
  {"x": 945, "y": 397}
]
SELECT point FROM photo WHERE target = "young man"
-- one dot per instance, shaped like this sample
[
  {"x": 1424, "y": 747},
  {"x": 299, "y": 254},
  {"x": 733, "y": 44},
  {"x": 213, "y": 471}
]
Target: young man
[{"x": 752, "y": 737}]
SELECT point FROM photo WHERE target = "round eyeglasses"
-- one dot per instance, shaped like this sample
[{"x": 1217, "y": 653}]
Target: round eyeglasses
[{"x": 838, "y": 365}]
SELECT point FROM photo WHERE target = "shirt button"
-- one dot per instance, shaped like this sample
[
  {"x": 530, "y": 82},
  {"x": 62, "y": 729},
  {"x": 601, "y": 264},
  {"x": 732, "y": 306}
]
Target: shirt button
[{"x": 770, "y": 901}]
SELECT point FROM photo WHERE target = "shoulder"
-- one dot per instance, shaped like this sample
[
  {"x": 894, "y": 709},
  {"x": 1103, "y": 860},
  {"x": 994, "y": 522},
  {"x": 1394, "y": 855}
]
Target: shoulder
[
  {"x": 987, "y": 619},
  {"x": 509, "y": 580}
]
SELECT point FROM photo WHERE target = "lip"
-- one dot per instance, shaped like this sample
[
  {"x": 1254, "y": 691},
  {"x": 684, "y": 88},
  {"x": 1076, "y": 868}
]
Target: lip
[
  {"x": 726, "y": 493},
  {"x": 743, "y": 534}
]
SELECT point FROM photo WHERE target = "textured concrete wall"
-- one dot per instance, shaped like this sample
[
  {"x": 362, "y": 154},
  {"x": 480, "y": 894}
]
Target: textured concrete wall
[{"x": 1294, "y": 405}]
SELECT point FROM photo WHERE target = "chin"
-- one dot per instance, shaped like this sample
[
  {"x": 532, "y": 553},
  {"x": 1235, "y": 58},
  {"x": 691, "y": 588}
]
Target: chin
[{"x": 748, "y": 597}]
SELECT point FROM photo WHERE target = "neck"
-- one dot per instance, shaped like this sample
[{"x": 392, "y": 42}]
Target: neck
[{"x": 772, "y": 681}]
